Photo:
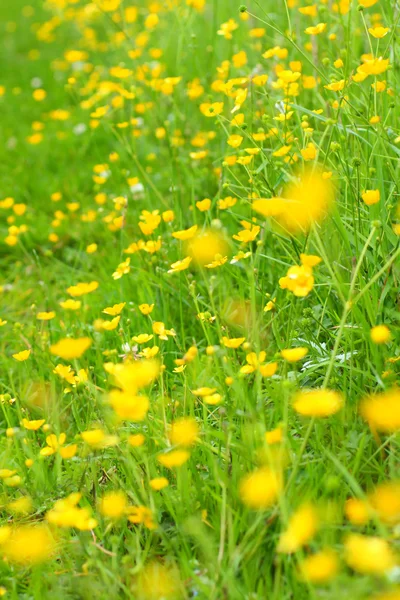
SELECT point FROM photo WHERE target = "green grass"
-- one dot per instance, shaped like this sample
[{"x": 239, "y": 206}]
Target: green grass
[{"x": 205, "y": 537}]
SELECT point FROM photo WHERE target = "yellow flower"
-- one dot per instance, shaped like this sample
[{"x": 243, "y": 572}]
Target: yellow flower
[
  {"x": 367, "y": 3},
  {"x": 248, "y": 234},
  {"x": 253, "y": 362},
  {"x": 156, "y": 580},
  {"x": 368, "y": 555},
  {"x": 385, "y": 501},
  {"x": 210, "y": 110},
  {"x": 114, "y": 310},
  {"x": 207, "y": 248},
  {"x": 142, "y": 338},
  {"x": 159, "y": 483},
  {"x": 260, "y": 489},
  {"x": 54, "y": 444},
  {"x": 301, "y": 528},
  {"x": 233, "y": 342},
  {"x": 382, "y": 411},
  {"x": 317, "y": 403},
  {"x": 378, "y": 31},
  {"x": 81, "y": 289},
  {"x": 299, "y": 280},
  {"x": 281, "y": 151},
  {"x": 235, "y": 140},
  {"x": 380, "y": 334},
  {"x": 204, "y": 391},
  {"x": 33, "y": 425},
  {"x": 184, "y": 432},
  {"x": 22, "y": 356},
  {"x": 294, "y": 354},
  {"x": 65, "y": 372},
  {"x": 357, "y": 511},
  {"x": 374, "y": 66},
  {"x": 310, "y": 260},
  {"x": 336, "y": 86},
  {"x": 185, "y": 234},
  {"x": 371, "y": 197},
  {"x": 268, "y": 369},
  {"x": 65, "y": 513},
  {"x": 315, "y": 30},
  {"x": 212, "y": 399},
  {"x": 310, "y": 152},
  {"x": 305, "y": 202},
  {"x": 129, "y": 406},
  {"x": 310, "y": 11},
  {"x": 113, "y": 504},
  {"x": 45, "y": 316},
  {"x": 146, "y": 309},
  {"x": 110, "y": 325},
  {"x": 69, "y": 348},
  {"x": 96, "y": 438},
  {"x": 174, "y": 458},
  {"x": 136, "y": 440},
  {"x": 203, "y": 205},
  {"x": 134, "y": 376},
  {"x": 160, "y": 330},
  {"x": 29, "y": 545},
  {"x": 71, "y": 304},
  {"x": 21, "y": 506},
  {"x": 319, "y": 567},
  {"x": 274, "y": 436},
  {"x": 180, "y": 265},
  {"x": 227, "y": 28}
]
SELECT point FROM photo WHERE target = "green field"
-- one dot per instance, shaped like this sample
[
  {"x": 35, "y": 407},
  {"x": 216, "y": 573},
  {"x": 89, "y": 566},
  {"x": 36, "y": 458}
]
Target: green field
[{"x": 199, "y": 300}]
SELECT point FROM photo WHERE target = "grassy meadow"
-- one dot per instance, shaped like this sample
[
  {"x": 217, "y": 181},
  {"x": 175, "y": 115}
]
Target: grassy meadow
[{"x": 199, "y": 305}]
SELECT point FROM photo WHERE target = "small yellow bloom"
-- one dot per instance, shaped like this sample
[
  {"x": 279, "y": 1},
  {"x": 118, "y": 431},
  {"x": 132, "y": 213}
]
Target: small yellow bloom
[
  {"x": 368, "y": 555},
  {"x": 174, "y": 458},
  {"x": 378, "y": 31},
  {"x": 382, "y": 411},
  {"x": 111, "y": 325},
  {"x": 69, "y": 348},
  {"x": 71, "y": 304},
  {"x": 159, "y": 483},
  {"x": 22, "y": 356},
  {"x": 211, "y": 110},
  {"x": 113, "y": 505},
  {"x": 380, "y": 334},
  {"x": 180, "y": 265},
  {"x": 114, "y": 310},
  {"x": 81, "y": 289},
  {"x": 294, "y": 354},
  {"x": 320, "y": 567},
  {"x": 301, "y": 528},
  {"x": 33, "y": 425},
  {"x": 260, "y": 489},
  {"x": 317, "y": 403},
  {"x": 316, "y": 30},
  {"x": 146, "y": 309},
  {"x": 136, "y": 440},
  {"x": 233, "y": 342},
  {"x": 203, "y": 205},
  {"x": 357, "y": 511},
  {"x": 185, "y": 234},
  {"x": 274, "y": 436},
  {"x": 184, "y": 432},
  {"x": 45, "y": 316}
]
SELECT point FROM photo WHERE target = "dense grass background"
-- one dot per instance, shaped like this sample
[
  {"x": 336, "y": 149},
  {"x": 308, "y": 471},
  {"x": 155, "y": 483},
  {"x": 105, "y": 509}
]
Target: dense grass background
[{"x": 205, "y": 538}]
